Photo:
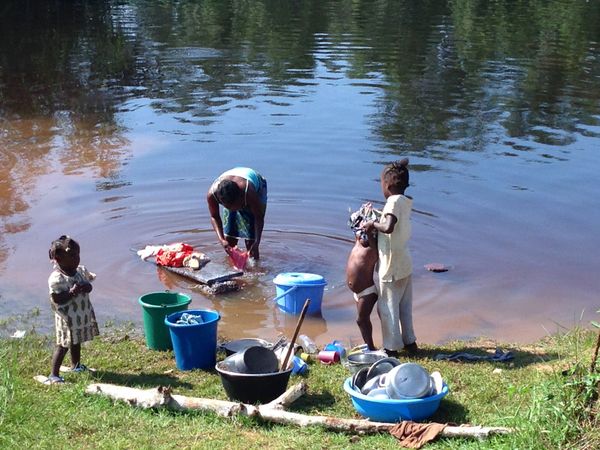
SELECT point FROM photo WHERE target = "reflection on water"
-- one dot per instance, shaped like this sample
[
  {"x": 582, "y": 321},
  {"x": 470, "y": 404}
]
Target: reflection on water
[{"x": 115, "y": 117}]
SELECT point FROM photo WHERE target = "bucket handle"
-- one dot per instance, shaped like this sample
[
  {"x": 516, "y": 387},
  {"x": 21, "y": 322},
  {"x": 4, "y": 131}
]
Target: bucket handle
[{"x": 285, "y": 293}]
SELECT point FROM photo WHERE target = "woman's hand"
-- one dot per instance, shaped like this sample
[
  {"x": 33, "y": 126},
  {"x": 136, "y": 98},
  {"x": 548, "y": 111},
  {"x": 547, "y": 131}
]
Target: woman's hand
[
  {"x": 226, "y": 245},
  {"x": 253, "y": 251}
]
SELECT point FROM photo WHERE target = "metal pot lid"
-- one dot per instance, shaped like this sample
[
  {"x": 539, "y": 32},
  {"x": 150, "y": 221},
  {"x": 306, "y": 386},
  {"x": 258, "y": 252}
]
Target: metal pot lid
[
  {"x": 239, "y": 345},
  {"x": 382, "y": 366},
  {"x": 364, "y": 358},
  {"x": 408, "y": 380}
]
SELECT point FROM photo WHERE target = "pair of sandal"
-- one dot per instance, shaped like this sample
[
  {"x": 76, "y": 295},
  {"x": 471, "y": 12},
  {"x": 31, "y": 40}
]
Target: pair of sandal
[
  {"x": 53, "y": 379},
  {"x": 79, "y": 368}
]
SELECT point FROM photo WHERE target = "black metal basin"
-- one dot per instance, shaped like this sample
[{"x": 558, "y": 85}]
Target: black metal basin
[{"x": 253, "y": 387}]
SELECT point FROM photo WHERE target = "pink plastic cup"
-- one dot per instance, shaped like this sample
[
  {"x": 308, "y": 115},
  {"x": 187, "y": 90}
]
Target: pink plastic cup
[{"x": 328, "y": 356}]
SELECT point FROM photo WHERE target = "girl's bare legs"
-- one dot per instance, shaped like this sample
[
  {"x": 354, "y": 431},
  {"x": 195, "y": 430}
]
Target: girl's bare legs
[
  {"x": 57, "y": 358},
  {"x": 75, "y": 355},
  {"x": 364, "y": 307}
]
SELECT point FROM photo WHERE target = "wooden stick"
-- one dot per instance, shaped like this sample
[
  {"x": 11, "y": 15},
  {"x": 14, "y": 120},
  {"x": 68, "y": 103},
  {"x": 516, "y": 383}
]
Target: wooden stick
[
  {"x": 595, "y": 356},
  {"x": 271, "y": 412},
  {"x": 296, "y": 331}
]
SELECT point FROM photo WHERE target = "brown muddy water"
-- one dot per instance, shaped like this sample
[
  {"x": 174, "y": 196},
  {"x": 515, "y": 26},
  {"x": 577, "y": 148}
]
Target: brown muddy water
[{"x": 116, "y": 116}]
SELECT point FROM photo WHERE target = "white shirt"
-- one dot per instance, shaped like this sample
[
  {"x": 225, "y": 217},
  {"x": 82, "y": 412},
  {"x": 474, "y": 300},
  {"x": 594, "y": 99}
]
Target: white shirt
[{"x": 395, "y": 262}]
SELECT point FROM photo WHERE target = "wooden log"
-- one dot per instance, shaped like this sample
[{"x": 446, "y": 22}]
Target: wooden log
[
  {"x": 271, "y": 412},
  {"x": 288, "y": 397}
]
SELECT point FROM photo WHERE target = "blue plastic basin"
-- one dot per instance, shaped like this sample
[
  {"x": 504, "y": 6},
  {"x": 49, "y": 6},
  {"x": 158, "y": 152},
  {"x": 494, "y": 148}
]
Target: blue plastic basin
[{"x": 392, "y": 410}]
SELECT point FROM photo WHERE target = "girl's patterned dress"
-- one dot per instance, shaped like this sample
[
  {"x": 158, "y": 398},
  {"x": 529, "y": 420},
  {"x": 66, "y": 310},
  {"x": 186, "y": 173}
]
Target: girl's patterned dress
[{"x": 75, "y": 321}]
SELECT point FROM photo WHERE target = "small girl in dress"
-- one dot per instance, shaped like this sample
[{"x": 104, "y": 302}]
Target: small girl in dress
[{"x": 74, "y": 317}]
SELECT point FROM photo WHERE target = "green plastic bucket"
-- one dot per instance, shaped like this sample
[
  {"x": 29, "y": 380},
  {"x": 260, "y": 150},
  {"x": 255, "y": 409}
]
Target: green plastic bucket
[{"x": 156, "y": 306}]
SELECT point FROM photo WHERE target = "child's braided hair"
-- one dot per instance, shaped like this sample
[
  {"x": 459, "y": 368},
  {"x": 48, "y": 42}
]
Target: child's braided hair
[
  {"x": 396, "y": 174},
  {"x": 61, "y": 245}
]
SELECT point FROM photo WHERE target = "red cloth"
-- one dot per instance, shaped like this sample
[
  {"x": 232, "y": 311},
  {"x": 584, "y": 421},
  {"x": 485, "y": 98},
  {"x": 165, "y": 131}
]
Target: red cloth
[
  {"x": 173, "y": 255},
  {"x": 239, "y": 258}
]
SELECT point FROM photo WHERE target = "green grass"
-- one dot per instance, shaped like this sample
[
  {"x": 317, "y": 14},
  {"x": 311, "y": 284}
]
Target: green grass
[{"x": 547, "y": 395}]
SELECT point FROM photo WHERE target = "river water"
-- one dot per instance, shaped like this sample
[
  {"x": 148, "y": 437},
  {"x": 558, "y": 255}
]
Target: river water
[{"x": 115, "y": 117}]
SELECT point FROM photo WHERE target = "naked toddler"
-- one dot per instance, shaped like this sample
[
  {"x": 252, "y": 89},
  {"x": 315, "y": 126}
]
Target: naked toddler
[{"x": 359, "y": 276}]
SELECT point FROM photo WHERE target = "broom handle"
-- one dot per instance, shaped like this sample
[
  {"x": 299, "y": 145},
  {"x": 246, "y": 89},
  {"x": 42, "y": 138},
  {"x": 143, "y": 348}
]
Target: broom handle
[{"x": 296, "y": 331}]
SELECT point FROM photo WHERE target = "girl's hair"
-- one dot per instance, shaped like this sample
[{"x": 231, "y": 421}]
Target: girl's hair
[
  {"x": 227, "y": 191},
  {"x": 396, "y": 174},
  {"x": 61, "y": 245}
]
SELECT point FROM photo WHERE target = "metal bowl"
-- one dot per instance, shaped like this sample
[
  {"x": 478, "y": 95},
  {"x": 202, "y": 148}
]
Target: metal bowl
[
  {"x": 408, "y": 380},
  {"x": 255, "y": 359},
  {"x": 357, "y": 361},
  {"x": 239, "y": 345}
]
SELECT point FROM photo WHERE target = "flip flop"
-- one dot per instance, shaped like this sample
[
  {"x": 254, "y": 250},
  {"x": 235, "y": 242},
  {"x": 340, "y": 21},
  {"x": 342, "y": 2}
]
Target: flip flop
[
  {"x": 81, "y": 368},
  {"x": 49, "y": 380}
]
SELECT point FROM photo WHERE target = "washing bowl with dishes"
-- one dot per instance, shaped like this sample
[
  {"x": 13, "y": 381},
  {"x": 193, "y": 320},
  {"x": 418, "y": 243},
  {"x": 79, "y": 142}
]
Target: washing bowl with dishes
[{"x": 377, "y": 408}]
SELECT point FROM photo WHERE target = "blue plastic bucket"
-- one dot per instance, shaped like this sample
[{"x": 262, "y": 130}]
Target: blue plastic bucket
[
  {"x": 293, "y": 288},
  {"x": 194, "y": 345}
]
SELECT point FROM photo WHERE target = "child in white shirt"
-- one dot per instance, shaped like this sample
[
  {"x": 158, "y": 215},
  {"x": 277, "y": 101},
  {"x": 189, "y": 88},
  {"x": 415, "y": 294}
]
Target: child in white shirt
[{"x": 395, "y": 264}]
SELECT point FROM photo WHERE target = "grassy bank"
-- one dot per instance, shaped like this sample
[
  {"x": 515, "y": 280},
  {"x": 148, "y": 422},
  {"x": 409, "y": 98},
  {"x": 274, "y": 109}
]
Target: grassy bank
[{"x": 546, "y": 395}]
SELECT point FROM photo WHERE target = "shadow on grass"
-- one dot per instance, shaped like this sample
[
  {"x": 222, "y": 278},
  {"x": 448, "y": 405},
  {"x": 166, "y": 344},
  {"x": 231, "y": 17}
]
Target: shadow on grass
[
  {"x": 522, "y": 358},
  {"x": 143, "y": 380},
  {"x": 312, "y": 400},
  {"x": 450, "y": 412}
]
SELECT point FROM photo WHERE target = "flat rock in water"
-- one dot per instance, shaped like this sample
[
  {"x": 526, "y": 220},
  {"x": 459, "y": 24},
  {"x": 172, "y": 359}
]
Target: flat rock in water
[
  {"x": 220, "y": 287},
  {"x": 436, "y": 267},
  {"x": 209, "y": 274}
]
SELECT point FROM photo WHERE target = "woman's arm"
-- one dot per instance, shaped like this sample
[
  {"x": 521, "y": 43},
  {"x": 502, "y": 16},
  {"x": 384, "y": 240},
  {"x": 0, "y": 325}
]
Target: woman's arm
[
  {"x": 258, "y": 210},
  {"x": 215, "y": 219}
]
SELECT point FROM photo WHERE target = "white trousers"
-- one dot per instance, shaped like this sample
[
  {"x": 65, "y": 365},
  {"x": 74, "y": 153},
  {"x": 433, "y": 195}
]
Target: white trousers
[{"x": 395, "y": 312}]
